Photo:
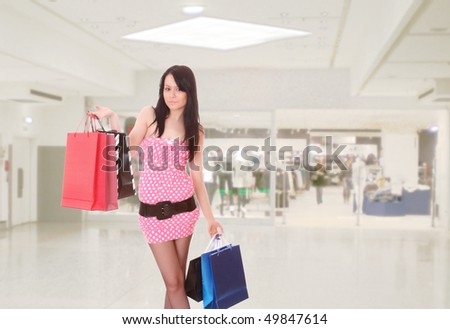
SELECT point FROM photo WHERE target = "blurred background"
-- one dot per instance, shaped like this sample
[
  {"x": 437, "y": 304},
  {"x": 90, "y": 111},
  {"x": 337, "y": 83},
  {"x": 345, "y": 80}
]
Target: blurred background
[{"x": 369, "y": 80}]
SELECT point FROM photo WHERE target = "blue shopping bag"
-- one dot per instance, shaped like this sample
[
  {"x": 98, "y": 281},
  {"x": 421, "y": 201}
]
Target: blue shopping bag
[
  {"x": 217, "y": 242},
  {"x": 223, "y": 274},
  {"x": 230, "y": 287}
]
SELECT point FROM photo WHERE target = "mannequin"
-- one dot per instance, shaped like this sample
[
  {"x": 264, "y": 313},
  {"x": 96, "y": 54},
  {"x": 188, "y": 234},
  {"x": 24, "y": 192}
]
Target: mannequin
[
  {"x": 359, "y": 180},
  {"x": 242, "y": 182}
]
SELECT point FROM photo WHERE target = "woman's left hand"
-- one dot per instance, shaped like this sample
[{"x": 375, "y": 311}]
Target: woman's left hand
[{"x": 213, "y": 227}]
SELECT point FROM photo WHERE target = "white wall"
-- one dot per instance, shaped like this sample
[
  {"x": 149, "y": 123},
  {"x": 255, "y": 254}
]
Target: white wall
[
  {"x": 400, "y": 154},
  {"x": 11, "y": 125},
  {"x": 262, "y": 90},
  {"x": 7, "y": 123},
  {"x": 442, "y": 169},
  {"x": 55, "y": 121},
  {"x": 50, "y": 122},
  {"x": 49, "y": 127},
  {"x": 378, "y": 37}
]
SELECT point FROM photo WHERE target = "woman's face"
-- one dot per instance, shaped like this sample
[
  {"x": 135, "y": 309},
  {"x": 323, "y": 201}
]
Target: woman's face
[{"x": 175, "y": 98}]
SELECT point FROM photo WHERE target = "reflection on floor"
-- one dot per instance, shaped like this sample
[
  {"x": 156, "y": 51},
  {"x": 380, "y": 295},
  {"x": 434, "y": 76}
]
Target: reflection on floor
[{"x": 313, "y": 257}]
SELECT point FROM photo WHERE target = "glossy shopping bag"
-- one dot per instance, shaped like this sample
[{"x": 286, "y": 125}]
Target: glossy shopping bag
[
  {"x": 90, "y": 178},
  {"x": 194, "y": 279},
  {"x": 207, "y": 278},
  {"x": 125, "y": 181},
  {"x": 193, "y": 284},
  {"x": 225, "y": 270}
]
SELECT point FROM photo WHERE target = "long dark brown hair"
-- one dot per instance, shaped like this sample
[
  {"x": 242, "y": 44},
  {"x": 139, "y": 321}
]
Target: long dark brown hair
[{"x": 185, "y": 80}]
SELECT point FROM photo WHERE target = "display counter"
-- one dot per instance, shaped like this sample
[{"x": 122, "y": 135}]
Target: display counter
[{"x": 416, "y": 202}]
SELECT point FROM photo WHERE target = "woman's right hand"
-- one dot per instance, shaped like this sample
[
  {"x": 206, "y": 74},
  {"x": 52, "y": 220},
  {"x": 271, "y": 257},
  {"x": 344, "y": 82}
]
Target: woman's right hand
[
  {"x": 214, "y": 227},
  {"x": 103, "y": 112}
]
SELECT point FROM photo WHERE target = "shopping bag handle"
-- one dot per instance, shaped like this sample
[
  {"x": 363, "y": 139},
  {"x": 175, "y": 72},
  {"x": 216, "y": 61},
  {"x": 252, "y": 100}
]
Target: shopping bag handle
[
  {"x": 217, "y": 241},
  {"x": 93, "y": 118},
  {"x": 90, "y": 119}
]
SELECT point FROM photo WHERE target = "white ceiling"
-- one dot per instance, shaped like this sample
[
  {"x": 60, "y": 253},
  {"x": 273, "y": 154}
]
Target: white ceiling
[{"x": 391, "y": 47}]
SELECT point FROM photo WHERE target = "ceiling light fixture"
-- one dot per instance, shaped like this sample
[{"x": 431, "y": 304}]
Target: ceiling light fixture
[
  {"x": 193, "y": 10},
  {"x": 214, "y": 33},
  {"x": 433, "y": 129}
]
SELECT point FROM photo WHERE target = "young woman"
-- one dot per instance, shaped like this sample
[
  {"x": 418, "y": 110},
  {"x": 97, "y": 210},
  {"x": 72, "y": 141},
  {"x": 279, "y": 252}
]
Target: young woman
[{"x": 170, "y": 137}]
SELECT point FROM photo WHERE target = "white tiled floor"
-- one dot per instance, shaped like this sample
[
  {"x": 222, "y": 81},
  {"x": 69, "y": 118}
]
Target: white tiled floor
[{"x": 317, "y": 258}]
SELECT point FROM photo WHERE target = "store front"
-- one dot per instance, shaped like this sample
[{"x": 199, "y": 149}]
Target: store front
[{"x": 264, "y": 170}]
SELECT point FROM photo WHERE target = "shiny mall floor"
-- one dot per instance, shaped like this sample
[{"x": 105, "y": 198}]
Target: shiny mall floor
[{"x": 312, "y": 257}]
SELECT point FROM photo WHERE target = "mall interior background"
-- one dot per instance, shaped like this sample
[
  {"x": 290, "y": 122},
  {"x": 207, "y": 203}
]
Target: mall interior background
[{"x": 374, "y": 75}]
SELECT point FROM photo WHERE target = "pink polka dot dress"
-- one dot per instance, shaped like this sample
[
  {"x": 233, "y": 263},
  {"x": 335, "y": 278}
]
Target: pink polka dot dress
[{"x": 165, "y": 179}]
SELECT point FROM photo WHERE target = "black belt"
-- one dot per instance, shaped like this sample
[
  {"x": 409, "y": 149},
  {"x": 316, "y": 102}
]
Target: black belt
[{"x": 166, "y": 209}]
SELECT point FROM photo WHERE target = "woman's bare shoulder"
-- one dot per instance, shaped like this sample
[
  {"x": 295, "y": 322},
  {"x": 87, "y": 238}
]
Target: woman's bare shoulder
[
  {"x": 146, "y": 118},
  {"x": 148, "y": 110},
  {"x": 147, "y": 114}
]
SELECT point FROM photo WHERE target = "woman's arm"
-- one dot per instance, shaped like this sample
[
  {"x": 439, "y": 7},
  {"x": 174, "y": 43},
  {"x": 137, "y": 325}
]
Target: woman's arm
[
  {"x": 196, "y": 169},
  {"x": 144, "y": 120},
  {"x": 105, "y": 112}
]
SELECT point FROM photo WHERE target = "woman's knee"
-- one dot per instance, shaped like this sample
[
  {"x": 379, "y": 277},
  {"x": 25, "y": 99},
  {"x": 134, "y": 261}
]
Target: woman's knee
[{"x": 175, "y": 283}]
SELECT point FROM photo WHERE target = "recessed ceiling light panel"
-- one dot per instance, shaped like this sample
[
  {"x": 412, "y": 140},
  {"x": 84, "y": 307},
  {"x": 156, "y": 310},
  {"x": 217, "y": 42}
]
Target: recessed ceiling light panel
[
  {"x": 214, "y": 33},
  {"x": 193, "y": 10}
]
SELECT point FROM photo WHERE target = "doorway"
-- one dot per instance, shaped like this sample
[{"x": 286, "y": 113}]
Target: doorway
[{"x": 20, "y": 181}]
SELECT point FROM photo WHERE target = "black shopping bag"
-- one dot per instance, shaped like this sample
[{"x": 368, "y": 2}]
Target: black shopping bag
[
  {"x": 125, "y": 181},
  {"x": 227, "y": 270},
  {"x": 193, "y": 284}
]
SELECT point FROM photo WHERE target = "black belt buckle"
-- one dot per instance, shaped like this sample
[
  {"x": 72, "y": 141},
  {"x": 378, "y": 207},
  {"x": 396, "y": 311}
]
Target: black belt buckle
[{"x": 164, "y": 210}]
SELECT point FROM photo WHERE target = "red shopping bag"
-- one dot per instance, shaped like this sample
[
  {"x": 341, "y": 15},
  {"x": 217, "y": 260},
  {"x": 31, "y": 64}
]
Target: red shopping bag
[{"x": 90, "y": 176}]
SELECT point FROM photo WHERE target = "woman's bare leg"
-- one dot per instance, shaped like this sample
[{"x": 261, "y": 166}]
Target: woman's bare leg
[
  {"x": 182, "y": 246},
  {"x": 171, "y": 258}
]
